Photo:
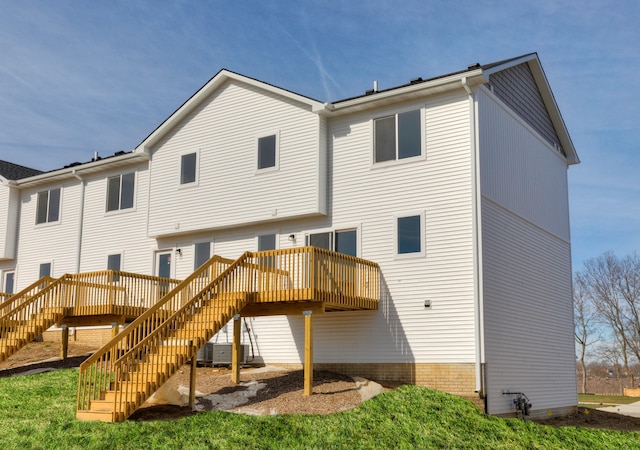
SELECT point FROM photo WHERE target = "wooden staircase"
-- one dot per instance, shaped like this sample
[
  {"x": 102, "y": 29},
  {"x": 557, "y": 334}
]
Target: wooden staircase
[
  {"x": 121, "y": 376},
  {"x": 26, "y": 316}
]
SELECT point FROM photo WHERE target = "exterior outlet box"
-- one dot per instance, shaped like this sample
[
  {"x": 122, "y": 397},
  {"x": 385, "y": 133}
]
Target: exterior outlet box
[{"x": 427, "y": 304}]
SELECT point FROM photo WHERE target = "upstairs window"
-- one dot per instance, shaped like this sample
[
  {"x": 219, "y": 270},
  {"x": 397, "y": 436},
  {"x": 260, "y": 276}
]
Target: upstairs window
[
  {"x": 188, "y": 164},
  {"x": 267, "y": 152},
  {"x": 120, "y": 191},
  {"x": 48, "y": 209},
  {"x": 397, "y": 136}
]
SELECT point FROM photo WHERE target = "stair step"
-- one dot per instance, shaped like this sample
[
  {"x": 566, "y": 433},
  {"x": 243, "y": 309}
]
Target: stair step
[{"x": 100, "y": 416}]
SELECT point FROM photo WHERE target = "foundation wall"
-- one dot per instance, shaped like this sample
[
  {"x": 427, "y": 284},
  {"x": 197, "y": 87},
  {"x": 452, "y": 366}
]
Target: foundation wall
[
  {"x": 458, "y": 379},
  {"x": 91, "y": 337}
]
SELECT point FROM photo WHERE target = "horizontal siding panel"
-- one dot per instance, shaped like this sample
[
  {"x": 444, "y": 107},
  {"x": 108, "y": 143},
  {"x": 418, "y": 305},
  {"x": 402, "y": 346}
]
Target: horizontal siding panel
[
  {"x": 224, "y": 130},
  {"x": 521, "y": 172},
  {"x": 528, "y": 312}
]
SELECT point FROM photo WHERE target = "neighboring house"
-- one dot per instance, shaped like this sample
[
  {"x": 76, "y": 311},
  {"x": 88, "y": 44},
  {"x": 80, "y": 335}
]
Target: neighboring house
[{"x": 456, "y": 186}]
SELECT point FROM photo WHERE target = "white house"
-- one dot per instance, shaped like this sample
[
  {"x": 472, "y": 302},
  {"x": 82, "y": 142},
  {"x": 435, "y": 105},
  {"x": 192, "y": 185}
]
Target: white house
[{"x": 455, "y": 185}]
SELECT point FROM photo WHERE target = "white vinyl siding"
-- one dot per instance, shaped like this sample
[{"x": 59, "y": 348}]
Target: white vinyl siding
[
  {"x": 521, "y": 171},
  {"x": 105, "y": 232},
  {"x": 44, "y": 243},
  {"x": 528, "y": 313},
  {"x": 401, "y": 330},
  {"x": 527, "y": 298},
  {"x": 9, "y": 213},
  {"x": 224, "y": 127}
]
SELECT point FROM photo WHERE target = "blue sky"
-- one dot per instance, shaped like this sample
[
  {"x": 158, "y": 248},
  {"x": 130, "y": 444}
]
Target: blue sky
[{"x": 78, "y": 77}]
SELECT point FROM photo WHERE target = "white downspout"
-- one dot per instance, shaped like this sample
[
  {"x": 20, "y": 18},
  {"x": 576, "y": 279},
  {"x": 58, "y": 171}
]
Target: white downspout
[
  {"x": 477, "y": 240},
  {"x": 81, "y": 220}
]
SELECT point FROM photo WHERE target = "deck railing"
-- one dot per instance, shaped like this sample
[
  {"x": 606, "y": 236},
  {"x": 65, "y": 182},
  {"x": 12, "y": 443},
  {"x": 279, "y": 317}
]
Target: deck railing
[
  {"x": 96, "y": 373},
  {"x": 46, "y": 301},
  {"x": 15, "y": 300},
  {"x": 147, "y": 352}
]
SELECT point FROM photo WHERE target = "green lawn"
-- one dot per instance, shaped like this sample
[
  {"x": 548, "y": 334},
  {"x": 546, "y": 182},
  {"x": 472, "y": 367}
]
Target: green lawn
[
  {"x": 37, "y": 411},
  {"x": 606, "y": 400}
]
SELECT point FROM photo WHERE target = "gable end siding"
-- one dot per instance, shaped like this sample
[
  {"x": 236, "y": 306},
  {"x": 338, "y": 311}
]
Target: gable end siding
[{"x": 517, "y": 88}]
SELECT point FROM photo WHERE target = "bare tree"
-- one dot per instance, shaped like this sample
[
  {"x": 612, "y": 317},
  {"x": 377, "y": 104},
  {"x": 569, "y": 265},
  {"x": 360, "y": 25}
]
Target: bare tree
[
  {"x": 613, "y": 286},
  {"x": 585, "y": 315}
]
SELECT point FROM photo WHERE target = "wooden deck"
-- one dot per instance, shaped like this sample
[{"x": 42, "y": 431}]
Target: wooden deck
[
  {"x": 118, "y": 378},
  {"x": 170, "y": 320}
]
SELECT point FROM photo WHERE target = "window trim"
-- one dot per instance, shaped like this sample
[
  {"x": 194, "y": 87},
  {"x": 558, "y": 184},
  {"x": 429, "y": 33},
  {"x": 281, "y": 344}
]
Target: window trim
[
  {"x": 333, "y": 231},
  {"x": 423, "y": 139},
  {"x": 196, "y": 181},
  {"x": 120, "y": 209},
  {"x": 195, "y": 253},
  {"x": 5, "y": 275},
  {"x": 276, "y": 166},
  {"x": 47, "y": 221},
  {"x": 50, "y": 268},
  {"x": 423, "y": 241}
]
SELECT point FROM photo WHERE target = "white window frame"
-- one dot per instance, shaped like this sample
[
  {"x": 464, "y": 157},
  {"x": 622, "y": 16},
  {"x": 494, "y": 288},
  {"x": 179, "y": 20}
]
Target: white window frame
[
  {"x": 5, "y": 275},
  {"x": 195, "y": 245},
  {"x": 275, "y": 167},
  {"x": 50, "y": 268},
  {"x": 268, "y": 233},
  {"x": 333, "y": 231},
  {"x": 135, "y": 189},
  {"x": 423, "y": 145},
  {"x": 48, "y": 191},
  {"x": 423, "y": 240},
  {"x": 196, "y": 181}
]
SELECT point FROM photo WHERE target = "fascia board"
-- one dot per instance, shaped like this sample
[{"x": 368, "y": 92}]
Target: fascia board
[{"x": 473, "y": 77}]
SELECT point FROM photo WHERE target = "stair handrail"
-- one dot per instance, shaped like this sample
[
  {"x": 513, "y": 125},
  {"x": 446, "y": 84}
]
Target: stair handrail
[
  {"x": 178, "y": 338},
  {"x": 95, "y": 371},
  {"x": 157, "y": 350},
  {"x": 24, "y": 295}
]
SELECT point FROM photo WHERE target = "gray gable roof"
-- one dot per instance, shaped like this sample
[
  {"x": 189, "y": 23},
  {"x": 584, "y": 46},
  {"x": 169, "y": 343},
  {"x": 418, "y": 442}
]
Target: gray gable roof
[{"x": 11, "y": 171}]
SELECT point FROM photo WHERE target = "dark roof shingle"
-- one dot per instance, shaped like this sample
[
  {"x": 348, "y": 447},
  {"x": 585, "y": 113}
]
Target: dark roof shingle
[{"x": 12, "y": 171}]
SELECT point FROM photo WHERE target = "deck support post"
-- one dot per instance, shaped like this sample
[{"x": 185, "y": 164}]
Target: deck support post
[
  {"x": 308, "y": 353},
  {"x": 114, "y": 329},
  {"x": 235, "y": 350},
  {"x": 192, "y": 381},
  {"x": 64, "y": 342}
]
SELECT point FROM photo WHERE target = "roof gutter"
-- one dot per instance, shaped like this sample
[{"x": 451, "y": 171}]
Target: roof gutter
[{"x": 75, "y": 171}]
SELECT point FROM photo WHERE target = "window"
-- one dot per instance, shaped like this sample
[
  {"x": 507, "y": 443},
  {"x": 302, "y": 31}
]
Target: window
[
  {"x": 397, "y": 136},
  {"x": 267, "y": 155},
  {"x": 9, "y": 279},
  {"x": 48, "y": 209},
  {"x": 188, "y": 168},
  {"x": 202, "y": 254},
  {"x": 120, "y": 190},
  {"x": 267, "y": 242},
  {"x": 45, "y": 270},
  {"x": 342, "y": 241},
  {"x": 409, "y": 234},
  {"x": 114, "y": 263}
]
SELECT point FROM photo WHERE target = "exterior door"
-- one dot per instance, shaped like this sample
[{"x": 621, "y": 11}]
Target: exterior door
[{"x": 163, "y": 270}]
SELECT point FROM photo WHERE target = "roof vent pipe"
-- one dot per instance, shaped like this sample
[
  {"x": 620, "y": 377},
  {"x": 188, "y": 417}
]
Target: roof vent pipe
[
  {"x": 375, "y": 85},
  {"x": 95, "y": 156}
]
